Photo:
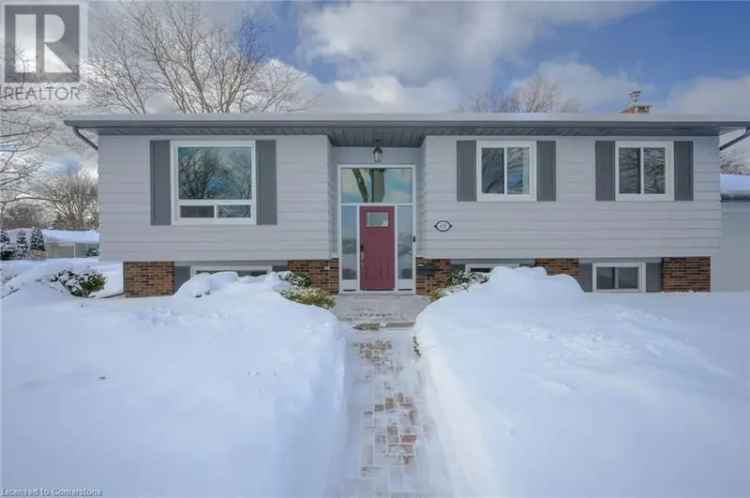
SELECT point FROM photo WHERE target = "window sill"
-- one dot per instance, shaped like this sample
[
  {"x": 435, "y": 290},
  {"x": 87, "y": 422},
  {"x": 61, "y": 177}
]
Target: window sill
[
  {"x": 506, "y": 198},
  {"x": 643, "y": 198},
  {"x": 213, "y": 222}
]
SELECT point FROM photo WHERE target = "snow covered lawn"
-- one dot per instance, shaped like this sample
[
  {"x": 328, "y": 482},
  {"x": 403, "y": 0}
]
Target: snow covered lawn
[
  {"x": 541, "y": 390},
  {"x": 235, "y": 393}
]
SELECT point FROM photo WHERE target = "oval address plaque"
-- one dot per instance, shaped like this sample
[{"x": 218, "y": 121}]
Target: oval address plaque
[{"x": 443, "y": 225}]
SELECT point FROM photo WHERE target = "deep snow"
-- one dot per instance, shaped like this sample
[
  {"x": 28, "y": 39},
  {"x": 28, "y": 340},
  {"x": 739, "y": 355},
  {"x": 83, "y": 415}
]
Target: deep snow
[
  {"x": 542, "y": 390},
  {"x": 236, "y": 393}
]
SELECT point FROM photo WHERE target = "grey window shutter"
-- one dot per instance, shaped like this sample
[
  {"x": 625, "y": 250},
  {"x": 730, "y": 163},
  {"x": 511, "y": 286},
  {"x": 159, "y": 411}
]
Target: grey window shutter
[
  {"x": 683, "y": 171},
  {"x": 546, "y": 180},
  {"x": 265, "y": 157},
  {"x": 181, "y": 275},
  {"x": 605, "y": 170},
  {"x": 653, "y": 277},
  {"x": 466, "y": 170},
  {"x": 161, "y": 196},
  {"x": 586, "y": 276}
]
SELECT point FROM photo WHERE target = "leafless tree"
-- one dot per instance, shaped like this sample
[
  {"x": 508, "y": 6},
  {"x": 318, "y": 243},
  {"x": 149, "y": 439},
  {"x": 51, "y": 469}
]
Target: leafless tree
[
  {"x": 72, "y": 197},
  {"x": 535, "y": 95},
  {"x": 23, "y": 129},
  {"x": 733, "y": 162},
  {"x": 172, "y": 50}
]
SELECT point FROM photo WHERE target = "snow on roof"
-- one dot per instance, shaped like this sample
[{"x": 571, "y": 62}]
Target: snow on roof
[
  {"x": 735, "y": 187},
  {"x": 60, "y": 236}
]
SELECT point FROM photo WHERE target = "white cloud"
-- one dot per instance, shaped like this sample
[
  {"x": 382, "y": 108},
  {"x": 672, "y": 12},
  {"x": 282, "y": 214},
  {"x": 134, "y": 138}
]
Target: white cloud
[
  {"x": 418, "y": 42},
  {"x": 712, "y": 95},
  {"x": 592, "y": 89},
  {"x": 717, "y": 95},
  {"x": 388, "y": 94}
]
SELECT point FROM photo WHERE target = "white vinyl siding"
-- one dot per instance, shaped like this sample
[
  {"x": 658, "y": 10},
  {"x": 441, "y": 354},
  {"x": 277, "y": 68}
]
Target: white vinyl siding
[
  {"x": 576, "y": 225},
  {"x": 303, "y": 225}
]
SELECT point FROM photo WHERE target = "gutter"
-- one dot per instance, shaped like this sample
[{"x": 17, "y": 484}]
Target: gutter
[
  {"x": 86, "y": 139},
  {"x": 736, "y": 140}
]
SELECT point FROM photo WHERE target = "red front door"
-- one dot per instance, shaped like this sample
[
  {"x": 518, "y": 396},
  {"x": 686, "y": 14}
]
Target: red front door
[{"x": 377, "y": 253}]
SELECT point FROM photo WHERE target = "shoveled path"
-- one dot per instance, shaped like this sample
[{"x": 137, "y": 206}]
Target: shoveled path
[{"x": 392, "y": 447}]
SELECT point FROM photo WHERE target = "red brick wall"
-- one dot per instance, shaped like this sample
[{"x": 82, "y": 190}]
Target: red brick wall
[
  {"x": 432, "y": 274},
  {"x": 324, "y": 273},
  {"x": 557, "y": 266},
  {"x": 149, "y": 278},
  {"x": 686, "y": 274}
]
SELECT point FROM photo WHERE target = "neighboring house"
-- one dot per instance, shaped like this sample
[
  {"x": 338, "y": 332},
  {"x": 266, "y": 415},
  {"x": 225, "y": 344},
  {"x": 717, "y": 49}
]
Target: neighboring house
[
  {"x": 393, "y": 202},
  {"x": 732, "y": 263},
  {"x": 65, "y": 243}
]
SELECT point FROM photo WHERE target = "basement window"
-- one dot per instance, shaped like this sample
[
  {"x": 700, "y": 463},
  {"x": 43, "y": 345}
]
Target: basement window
[
  {"x": 214, "y": 182},
  {"x": 619, "y": 277},
  {"x": 242, "y": 271}
]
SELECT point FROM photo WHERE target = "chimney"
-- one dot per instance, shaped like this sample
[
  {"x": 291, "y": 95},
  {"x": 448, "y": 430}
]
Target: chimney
[{"x": 635, "y": 107}]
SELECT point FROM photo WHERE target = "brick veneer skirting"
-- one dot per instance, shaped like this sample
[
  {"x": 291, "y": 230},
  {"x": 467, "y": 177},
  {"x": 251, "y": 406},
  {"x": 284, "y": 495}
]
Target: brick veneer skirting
[
  {"x": 324, "y": 273},
  {"x": 686, "y": 274},
  {"x": 148, "y": 278},
  {"x": 558, "y": 266},
  {"x": 432, "y": 274}
]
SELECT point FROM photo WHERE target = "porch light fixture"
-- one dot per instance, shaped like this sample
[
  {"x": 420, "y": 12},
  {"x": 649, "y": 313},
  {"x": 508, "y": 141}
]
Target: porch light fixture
[{"x": 377, "y": 153}]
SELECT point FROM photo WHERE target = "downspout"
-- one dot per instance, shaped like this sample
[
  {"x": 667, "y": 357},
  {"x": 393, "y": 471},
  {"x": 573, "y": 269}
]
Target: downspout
[
  {"x": 85, "y": 138},
  {"x": 736, "y": 140}
]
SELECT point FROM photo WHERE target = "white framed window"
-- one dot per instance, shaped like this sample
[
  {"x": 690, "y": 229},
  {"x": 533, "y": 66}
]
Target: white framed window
[
  {"x": 619, "y": 277},
  {"x": 644, "y": 171},
  {"x": 214, "y": 182},
  {"x": 242, "y": 271},
  {"x": 506, "y": 171}
]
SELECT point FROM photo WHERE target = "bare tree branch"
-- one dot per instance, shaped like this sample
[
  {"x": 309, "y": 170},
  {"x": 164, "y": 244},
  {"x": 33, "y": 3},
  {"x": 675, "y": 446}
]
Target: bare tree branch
[
  {"x": 534, "y": 95},
  {"x": 173, "y": 49}
]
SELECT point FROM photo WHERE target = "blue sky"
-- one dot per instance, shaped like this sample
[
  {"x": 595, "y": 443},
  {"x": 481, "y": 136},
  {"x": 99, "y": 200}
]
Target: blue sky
[{"x": 431, "y": 56}]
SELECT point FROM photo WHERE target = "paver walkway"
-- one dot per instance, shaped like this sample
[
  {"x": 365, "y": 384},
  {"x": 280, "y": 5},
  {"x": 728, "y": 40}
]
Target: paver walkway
[
  {"x": 383, "y": 309},
  {"x": 393, "y": 449}
]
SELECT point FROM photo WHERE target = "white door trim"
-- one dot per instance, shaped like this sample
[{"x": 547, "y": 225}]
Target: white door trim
[{"x": 412, "y": 204}]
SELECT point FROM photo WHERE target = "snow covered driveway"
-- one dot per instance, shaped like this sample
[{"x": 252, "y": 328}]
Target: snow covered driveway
[
  {"x": 541, "y": 390},
  {"x": 237, "y": 393}
]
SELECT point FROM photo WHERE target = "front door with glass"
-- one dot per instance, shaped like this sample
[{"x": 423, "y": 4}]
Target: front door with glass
[{"x": 372, "y": 196}]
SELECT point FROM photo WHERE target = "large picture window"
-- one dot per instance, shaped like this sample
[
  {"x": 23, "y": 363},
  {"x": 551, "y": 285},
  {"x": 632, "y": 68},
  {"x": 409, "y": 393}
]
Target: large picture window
[
  {"x": 214, "y": 182},
  {"x": 506, "y": 171},
  {"x": 644, "y": 170}
]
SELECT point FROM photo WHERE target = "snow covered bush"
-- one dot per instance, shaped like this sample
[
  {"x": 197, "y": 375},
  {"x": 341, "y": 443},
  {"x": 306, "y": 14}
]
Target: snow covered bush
[
  {"x": 309, "y": 295},
  {"x": 459, "y": 280},
  {"x": 81, "y": 284},
  {"x": 296, "y": 279},
  {"x": 37, "y": 240},
  {"x": 7, "y": 250},
  {"x": 22, "y": 245}
]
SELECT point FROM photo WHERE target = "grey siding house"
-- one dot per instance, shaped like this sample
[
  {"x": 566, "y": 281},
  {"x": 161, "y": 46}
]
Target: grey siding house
[{"x": 394, "y": 202}]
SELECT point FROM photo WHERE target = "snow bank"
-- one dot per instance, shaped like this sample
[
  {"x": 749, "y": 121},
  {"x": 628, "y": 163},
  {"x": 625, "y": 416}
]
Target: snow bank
[
  {"x": 540, "y": 389},
  {"x": 18, "y": 274},
  {"x": 237, "y": 393}
]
